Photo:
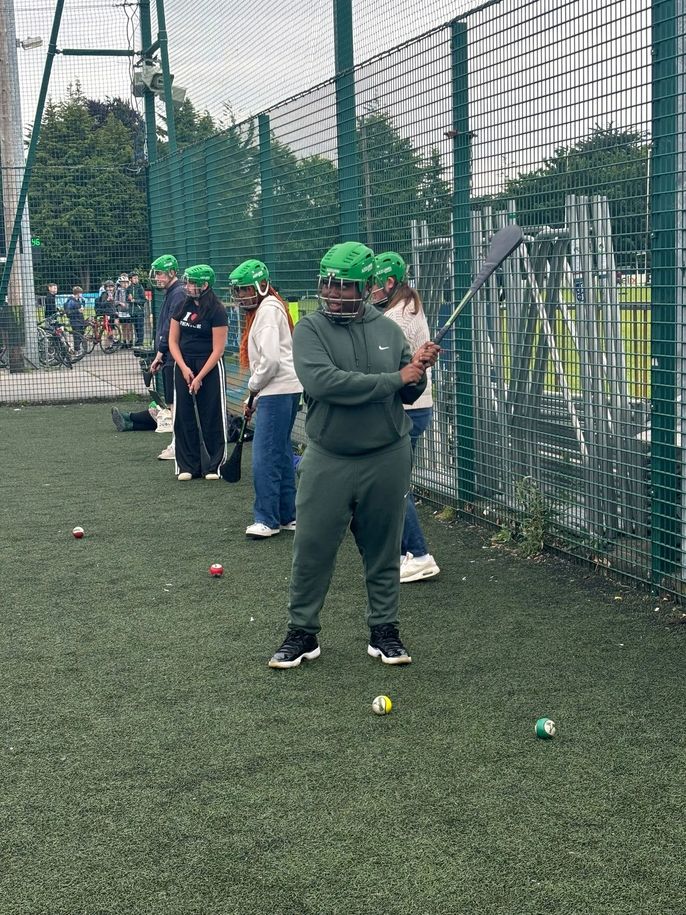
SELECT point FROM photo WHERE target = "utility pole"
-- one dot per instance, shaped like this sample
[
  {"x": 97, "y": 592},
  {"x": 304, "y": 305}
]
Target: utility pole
[{"x": 21, "y": 290}]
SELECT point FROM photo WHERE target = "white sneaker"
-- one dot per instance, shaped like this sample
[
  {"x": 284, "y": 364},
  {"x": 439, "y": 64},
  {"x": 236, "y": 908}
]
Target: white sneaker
[
  {"x": 183, "y": 477},
  {"x": 211, "y": 476},
  {"x": 164, "y": 421},
  {"x": 412, "y": 569},
  {"x": 169, "y": 453},
  {"x": 288, "y": 527},
  {"x": 258, "y": 530}
]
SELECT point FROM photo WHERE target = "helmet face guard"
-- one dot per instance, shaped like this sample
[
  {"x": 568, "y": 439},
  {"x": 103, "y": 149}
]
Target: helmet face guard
[
  {"x": 380, "y": 295},
  {"x": 161, "y": 278},
  {"x": 340, "y": 300},
  {"x": 249, "y": 296},
  {"x": 249, "y": 283},
  {"x": 345, "y": 272},
  {"x": 387, "y": 266},
  {"x": 162, "y": 269},
  {"x": 201, "y": 276}
]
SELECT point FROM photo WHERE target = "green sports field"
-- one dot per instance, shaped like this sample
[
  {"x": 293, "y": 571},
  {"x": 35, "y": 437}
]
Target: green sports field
[{"x": 151, "y": 762}]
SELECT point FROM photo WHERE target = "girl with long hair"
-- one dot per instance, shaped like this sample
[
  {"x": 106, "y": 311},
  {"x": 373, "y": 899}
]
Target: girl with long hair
[
  {"x": 267, "y": 351},
  {"x": 401, "y": 303}
]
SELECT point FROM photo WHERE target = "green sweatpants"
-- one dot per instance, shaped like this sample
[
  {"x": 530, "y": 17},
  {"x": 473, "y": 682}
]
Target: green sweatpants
[{"x": 368, "y": 493}]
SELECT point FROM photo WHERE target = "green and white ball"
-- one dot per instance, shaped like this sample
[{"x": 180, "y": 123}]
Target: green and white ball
[{"x": 545, "y": 728}]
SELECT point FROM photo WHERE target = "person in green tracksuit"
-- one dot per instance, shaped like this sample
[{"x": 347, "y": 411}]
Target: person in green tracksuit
[{"x": 357, "y": 371}]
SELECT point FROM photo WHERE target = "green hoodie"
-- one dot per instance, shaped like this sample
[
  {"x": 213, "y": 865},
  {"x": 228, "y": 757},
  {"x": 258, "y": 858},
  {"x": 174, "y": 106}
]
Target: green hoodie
[{"x": 351, "y": 376}]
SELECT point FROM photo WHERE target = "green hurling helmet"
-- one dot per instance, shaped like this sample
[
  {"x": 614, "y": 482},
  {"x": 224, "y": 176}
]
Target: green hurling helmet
[
  {"x": 346, "y": 264},
  {"x": 167, "y": 263},
  {"x": 250, "y": 273},
  {"x": 388, "y": 265},
  {"x": 199, "y": 274}
]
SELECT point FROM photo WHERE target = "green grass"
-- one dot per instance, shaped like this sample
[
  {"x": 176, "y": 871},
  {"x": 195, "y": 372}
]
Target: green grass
[{"x": 151, "y": 762}]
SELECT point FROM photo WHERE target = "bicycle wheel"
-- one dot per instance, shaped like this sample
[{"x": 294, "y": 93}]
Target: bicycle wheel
[
  {"x": 89, "y": 338},
  {"x": 76, "y": 350},
  {"x": 62, "y": 352},
  {"x": 47, "y": 348},
  {"x": 111, "y": 342}
]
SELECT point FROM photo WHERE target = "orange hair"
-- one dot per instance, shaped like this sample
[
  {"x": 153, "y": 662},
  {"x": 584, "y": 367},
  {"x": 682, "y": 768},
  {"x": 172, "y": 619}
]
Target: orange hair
[{"x": 250, "y": 316}]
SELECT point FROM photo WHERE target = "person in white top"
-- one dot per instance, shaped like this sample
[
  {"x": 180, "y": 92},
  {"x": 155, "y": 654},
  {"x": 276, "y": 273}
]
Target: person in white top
[
  {"x": 267, "y": 350},
  {"x": 402, "y": 304}
]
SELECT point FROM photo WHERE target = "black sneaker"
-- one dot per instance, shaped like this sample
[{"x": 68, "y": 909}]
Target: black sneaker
[
  {"x": 297, "y": 645},
  {"x": 384, "y": 643}
]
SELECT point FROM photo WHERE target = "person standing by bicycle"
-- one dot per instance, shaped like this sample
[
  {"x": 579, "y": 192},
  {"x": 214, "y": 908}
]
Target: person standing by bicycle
[
  {"x": 137, "y": 300},
  {"x": 51, "y": 301},
  {"x": 74, "y": 310},
  {"x": 122, "y": 304}
]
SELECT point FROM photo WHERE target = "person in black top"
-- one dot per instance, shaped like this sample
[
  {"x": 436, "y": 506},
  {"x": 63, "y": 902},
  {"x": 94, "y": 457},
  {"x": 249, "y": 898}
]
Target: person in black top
[
  {"x": 164, "y": 274},
  {"x": 137, "y": 299},
  {"x": 197, "y": 338},
  {"x": 51, "y": 301}
]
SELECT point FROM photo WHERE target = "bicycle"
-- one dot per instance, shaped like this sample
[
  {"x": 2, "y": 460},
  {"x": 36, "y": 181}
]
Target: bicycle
[
  {"x": 54, "y": 346},
  {"x": 101, "y": 331}
]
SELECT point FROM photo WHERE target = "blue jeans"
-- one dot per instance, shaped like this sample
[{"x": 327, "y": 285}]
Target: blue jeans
[
  {"x": 413, "y": 538},
  {"x": 272, "y": 459}
]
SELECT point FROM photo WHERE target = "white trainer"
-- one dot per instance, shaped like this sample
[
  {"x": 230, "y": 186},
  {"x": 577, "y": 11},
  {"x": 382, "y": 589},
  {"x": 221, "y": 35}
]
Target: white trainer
[
  {"x": 169, "y": 453},
  {"x": 183, "y": 477},
  {"x": 412, "y": 569},
  {"x": 288, "y": 527},
  {"x": 259, "y": 530},
  {"x": 211, "y": 476}
]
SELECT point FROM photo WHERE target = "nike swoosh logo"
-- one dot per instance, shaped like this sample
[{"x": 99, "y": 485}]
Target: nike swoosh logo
[{"x": 384, "y": 347}]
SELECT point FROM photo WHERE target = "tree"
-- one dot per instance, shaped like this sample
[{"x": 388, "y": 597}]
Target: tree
[
  {"x": 86, "y": 197},
  {"x": 189, "y": 124},
  {"x": 610, "y": 162},
  {"x": 305, "y": 217},
  {"x": 398, "y": 185},
  {"x": 435, "y": 197}
]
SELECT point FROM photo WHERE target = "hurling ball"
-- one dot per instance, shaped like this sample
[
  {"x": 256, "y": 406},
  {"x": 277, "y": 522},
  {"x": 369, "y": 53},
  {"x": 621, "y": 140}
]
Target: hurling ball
[
  {"x": 78, "y": 532},
  {"x": 382, "y": 705},
  {"x": 216, "y": 570},
  {"x": 545, "y": 728}
]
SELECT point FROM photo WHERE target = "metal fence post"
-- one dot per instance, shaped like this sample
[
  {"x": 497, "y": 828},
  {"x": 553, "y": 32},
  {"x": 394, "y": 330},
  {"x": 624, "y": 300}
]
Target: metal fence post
[
  {"x": 664, "y": 459},
  {"x": 267, "y": 194},
  {"x": 462, "y": 253},
  {"x": 346, "y": 124}
]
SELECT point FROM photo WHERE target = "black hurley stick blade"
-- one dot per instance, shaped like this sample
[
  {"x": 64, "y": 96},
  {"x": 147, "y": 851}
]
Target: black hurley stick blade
[
  {"x": 503, "y": 244},
  {"x": 231, "y": 470}
]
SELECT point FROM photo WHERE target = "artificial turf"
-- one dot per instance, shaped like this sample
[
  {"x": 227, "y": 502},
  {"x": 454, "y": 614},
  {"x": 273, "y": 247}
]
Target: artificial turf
[{"x": 152, "y": 763}]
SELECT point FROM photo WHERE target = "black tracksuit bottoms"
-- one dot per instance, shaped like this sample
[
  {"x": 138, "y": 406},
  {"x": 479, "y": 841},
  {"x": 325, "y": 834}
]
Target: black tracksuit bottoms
[{"x": 211, "y": 400}]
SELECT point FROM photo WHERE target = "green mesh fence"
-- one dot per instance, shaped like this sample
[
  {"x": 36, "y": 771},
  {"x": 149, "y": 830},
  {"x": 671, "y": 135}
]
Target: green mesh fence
[
  {"x": 86, "y": 215},
  {"x": 558, "y": 397}
]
